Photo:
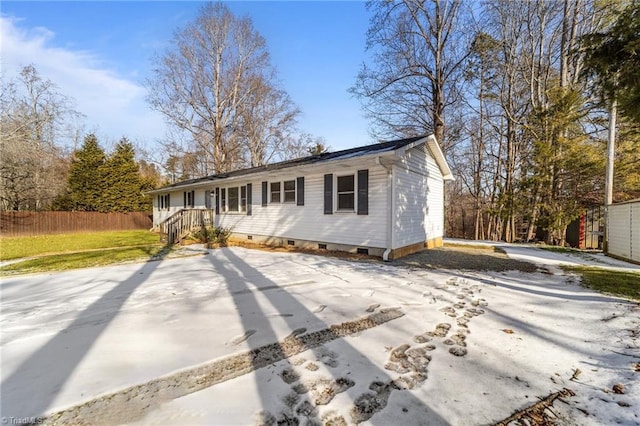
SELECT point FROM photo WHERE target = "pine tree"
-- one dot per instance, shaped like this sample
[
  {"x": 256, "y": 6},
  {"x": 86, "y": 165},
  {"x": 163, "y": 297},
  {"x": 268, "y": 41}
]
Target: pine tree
[
  {"x": 124, "y": 184},
  {"x": 612, "y": 57},
  {"x": 86, "y": 181}
]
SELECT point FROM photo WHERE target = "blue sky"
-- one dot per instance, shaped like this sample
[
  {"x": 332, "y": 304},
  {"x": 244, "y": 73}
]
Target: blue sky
[{"x": 99, "y": 54}]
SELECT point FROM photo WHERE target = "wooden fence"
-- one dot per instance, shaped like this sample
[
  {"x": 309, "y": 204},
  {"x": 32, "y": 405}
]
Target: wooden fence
[{"x": 17, "y": 224}]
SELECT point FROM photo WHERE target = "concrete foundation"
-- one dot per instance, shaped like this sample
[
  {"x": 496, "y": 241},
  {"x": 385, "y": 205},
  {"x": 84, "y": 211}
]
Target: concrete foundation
[{"x": 320, "y": 245}]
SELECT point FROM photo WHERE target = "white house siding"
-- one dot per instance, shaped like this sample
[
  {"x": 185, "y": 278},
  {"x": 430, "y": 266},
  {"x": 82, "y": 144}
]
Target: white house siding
[
  {"x": 176, "y": 201},
  {"x": 308, "y": 222},
  {"x": 434, "y": 219},
  {"x": 624, "y": 230},
  {"x": 418, "y": 198}
]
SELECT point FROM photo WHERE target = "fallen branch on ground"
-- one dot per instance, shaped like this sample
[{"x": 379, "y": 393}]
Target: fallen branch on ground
[{"x": 535, "y": 414}]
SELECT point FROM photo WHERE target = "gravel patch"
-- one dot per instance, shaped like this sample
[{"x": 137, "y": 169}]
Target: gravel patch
[{"x": 463, "y": 258}]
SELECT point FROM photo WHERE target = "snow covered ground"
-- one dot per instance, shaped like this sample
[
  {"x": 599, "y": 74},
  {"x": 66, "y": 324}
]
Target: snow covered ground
[{"x": 455, "y": 347}]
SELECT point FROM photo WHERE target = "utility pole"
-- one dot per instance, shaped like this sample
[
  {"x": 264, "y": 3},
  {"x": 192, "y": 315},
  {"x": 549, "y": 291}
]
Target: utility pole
[{"x": 608, "y": 184}]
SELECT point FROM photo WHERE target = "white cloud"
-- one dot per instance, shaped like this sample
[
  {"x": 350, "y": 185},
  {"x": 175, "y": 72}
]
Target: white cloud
[{"x": 113, "y": 105}]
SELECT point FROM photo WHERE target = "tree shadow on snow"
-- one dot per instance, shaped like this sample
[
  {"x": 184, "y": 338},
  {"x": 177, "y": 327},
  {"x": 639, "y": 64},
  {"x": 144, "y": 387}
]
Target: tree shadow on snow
[
  {"x": 245, "y": 283},
  {"x": 32, "y": 387}
]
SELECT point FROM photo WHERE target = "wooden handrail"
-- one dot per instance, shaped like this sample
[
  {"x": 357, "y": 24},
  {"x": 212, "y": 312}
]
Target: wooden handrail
[{"x": 181, "y": 223}]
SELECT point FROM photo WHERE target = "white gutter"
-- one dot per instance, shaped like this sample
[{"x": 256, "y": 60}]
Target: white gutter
[{"x": 387, "y": 252}]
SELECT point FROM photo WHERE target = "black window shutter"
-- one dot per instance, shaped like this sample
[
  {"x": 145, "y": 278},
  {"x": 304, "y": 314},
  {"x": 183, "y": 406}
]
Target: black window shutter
[
  {"x": 168, "y": 201},
  {"x": 217, "y": 200},
  {"x": 265, "y": 194},
  {"x": 184, "y": 194},
  {"x": 300, "y": 190},
  {"x": 328, "y": 193},
  {"x": 363, "y": 191},
  {"x": 249, "y": 197}
]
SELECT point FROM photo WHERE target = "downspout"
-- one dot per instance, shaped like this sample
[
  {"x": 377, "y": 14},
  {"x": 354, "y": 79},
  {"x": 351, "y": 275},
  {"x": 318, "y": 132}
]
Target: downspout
[{"x": 387, "y": 252}]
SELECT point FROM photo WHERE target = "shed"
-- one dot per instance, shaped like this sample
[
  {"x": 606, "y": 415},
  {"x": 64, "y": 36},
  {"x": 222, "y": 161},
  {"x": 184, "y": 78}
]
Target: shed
[
  {"x": 623, "y": 230},
  {"x": 385, "y": 199}
]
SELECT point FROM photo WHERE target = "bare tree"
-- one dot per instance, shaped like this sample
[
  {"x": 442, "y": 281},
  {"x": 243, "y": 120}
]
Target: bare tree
[
  {"x": 268, "y": 119},
  {"x": 216, "y": 84},
  {"x": 304, "y": 144},
  {"x": 418, "y": 49},
  {"x": 35, "y": 119}
]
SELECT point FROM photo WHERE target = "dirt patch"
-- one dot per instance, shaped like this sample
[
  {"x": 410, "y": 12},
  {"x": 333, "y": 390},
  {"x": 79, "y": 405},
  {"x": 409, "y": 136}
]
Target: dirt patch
[
  {"x": 465, "y": 258},
  {"x": 461, "y": 257}
]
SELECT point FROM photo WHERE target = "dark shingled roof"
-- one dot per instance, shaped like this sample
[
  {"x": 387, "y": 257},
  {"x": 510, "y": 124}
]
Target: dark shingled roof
[{"x": 312, "y": 159}]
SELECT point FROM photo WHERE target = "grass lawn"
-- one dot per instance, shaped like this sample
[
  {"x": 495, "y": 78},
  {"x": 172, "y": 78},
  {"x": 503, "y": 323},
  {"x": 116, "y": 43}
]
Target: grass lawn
[
  {"x": 18, "y": 247},
  {"x": 62, "y": 262},
  {"x": 626, "y": 284}
]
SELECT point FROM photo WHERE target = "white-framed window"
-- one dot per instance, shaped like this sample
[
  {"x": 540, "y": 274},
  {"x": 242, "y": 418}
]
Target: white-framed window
[
  {"x": 189, "y": 199},
  {"x": 289, "y": 191},
  {"x": 275, "y": 191},
  {"x": 243, "y": 198},
  {"x": 346, "y": 193},
  {"x": 163, "y": 202},
  {"x": 233, "y": 199}
]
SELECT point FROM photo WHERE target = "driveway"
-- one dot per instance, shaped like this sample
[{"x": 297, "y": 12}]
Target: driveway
[{"x": 240, "y": 336}]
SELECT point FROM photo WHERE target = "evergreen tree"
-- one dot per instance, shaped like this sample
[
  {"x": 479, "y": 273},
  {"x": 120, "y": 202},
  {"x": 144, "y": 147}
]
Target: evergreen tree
[
  {"x": 86, "y": 181},
  {"x": 612, "y": 57},
  {"x": 124, "y": 184}
]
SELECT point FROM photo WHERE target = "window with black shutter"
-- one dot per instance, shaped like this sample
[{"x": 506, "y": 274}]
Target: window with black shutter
[
  {"x": 265, "y": 193},
  {"x": 233, "y": 200},
  {"x": 363, "y": 192},
  {"x": 300, "y": 191},
  {"x": 328, "y": 193},
  {"x": 189, "y": 199},
  {"x": 346, "y": 193},
  {"x": 289, "y": 191},
  {"x": 275, "y": 192}
]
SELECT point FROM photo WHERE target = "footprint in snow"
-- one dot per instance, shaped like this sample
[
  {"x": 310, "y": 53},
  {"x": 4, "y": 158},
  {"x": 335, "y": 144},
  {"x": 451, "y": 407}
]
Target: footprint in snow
[
  {"x": 327, "y": 357},
  {"x": 373, "y": 307},
  {"x": 319, "y": 309},
  {"x": 333, "y": 418},
  {"x": 322, "y": 390},
  {"x": 458, "y": 351},
  {"x": 243, "y": 337},
  {"x": 368, "y": 404},
  {"x": 297, "y": 332},
  {"x": 288, "y": 375}
]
